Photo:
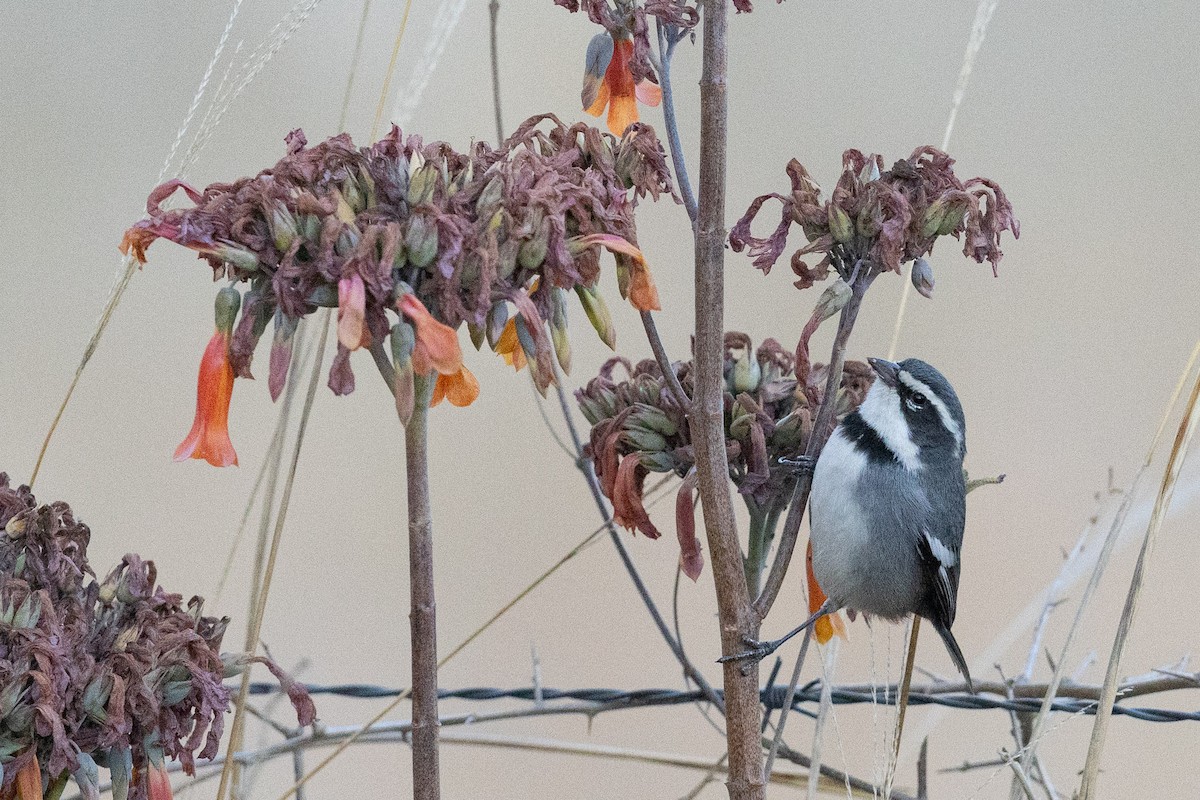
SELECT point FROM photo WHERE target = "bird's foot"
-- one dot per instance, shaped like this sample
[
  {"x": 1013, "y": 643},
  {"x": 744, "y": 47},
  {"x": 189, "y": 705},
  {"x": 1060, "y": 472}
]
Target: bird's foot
[
  {"x": 801, "y": 465},
  {"x": 757, "y": 652}
]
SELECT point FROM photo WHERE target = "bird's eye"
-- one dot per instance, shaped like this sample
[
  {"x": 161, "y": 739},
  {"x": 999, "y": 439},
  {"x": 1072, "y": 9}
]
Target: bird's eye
[{"x": 917, "y": 400}]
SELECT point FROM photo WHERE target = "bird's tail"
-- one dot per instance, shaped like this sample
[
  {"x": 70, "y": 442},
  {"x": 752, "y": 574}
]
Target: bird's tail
[{"x": 955, "y": 653}]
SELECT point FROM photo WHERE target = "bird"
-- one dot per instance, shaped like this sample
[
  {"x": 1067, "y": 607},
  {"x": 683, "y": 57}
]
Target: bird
[{"x": 888, "y": 505}]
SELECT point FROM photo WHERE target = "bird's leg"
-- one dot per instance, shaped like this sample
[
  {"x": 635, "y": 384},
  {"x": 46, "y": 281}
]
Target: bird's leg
[
  {"x": 801, "y": 465},
  {"x": 760, "y": 650}
]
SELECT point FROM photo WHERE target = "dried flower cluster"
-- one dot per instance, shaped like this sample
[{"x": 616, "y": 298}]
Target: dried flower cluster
[
  {"x": 876, "y": 219},
  {"x": 431, "y": 235},
  {"x": 118, "y": 673},
  {"x": 639, "y": 428}
]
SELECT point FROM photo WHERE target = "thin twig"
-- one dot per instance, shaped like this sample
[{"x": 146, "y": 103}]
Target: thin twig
[
  {"x": 902, "y": 703},
  {"x": 664, "y": 363},
  {"x": 737, "y": 619},
  {"x": 1019, "y": 773},
  {"x": 789, "y": 698},
  {"x": 1183, "y": 440},
  {"x": 666, "y": 51},
  {"x": 358, "y": 46},
  {"x": 391, "y": 69},
  {"x": 494, "y": 12}
]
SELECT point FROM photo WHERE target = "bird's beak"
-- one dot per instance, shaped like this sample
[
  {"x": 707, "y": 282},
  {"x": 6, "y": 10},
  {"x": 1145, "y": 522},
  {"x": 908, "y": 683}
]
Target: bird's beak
[{"x": 888, "y": 371}]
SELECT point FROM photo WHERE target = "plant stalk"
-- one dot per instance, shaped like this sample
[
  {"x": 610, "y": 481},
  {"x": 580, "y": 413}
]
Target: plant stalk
[
  {"x": 738, "y": 621},
  {"x": 423, "y": 613}
]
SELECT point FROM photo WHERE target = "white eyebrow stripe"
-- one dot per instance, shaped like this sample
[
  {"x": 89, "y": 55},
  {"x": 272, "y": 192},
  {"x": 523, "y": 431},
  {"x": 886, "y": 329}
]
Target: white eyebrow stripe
[{"x": 948, "y": 421}]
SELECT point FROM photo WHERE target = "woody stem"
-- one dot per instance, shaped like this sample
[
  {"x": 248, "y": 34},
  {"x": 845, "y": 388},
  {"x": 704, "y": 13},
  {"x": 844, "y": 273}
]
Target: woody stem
[{"x": 423, "y": 609}]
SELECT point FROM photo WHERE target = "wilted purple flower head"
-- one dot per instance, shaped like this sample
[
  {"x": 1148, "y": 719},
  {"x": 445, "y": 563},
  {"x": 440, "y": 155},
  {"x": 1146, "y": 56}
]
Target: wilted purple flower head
[
  {"x": 876, "y": 219},
  {"x": 117, "y": 673},
  {"x": 638, "y": 427},
  {"x": 475, "y": 236}
]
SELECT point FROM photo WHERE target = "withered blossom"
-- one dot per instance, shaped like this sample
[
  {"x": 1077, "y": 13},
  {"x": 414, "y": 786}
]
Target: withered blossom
[
  {"x": 116, "y": 673},
  {"x": 414, "y": 232},
  {"x": 628, "y": 20},
  {"x": 638, "y": 427},
  {"x": 877, "y": 219}
]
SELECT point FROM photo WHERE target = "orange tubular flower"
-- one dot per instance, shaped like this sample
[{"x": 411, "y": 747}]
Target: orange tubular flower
[
  {"x": 641, "y": 291},
  {"x": 209, "y": 437},
  {"x": 829, "y": 625},
  {"x": 29, "y": 781},
  {"x": 607, "y": 81},
  {"x": 437, "y": 349}
]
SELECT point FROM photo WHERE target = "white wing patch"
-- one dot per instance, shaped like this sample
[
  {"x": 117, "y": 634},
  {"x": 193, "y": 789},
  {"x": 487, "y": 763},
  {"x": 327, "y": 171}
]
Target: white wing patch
[
  {"x": 881, "y": 410},
  {"x": 945, "y": 556},
  {"x": 948, "y": 421}
]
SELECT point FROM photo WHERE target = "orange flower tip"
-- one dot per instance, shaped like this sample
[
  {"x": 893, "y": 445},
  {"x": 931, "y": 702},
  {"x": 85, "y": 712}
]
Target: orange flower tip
[
  {"x": 159, "y": 782},
  {"x": 622, "y": 112},
  {"x": 136, "y": 240},
  {"x": 648, "y": 93},
  {"x": 437, "y": 345}
]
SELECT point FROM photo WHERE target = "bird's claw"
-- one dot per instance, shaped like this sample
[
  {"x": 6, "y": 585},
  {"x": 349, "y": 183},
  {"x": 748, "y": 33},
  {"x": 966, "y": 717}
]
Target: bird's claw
[
  {"x": 801, "y": 465},
  {"x": 757, "y": 652}
]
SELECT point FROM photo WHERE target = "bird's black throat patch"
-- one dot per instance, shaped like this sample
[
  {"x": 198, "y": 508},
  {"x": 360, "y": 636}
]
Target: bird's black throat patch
[{"x": 866, "y": 440}]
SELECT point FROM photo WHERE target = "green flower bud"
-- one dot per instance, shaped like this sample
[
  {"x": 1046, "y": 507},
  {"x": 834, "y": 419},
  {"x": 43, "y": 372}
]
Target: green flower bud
[
  {"x": 476, "y": 333},
  {"x": 421, "y": 241},
  {"x": 225, "y": 308},
  {"x": 657, "y": 462},
  {"x": 284, "y": 227},
  {"x": 739, "y": 427},
  {"x": 422, "y": 184},
  {"x": 10, "y": 695},
  {"x": 497, "y": 318},
  {"x": 489, "y": 199},
  {"x": 933, "y": 218},
  {"x": 120, "y": 771},
  {"x": 922, "y": 277},
  {"x": 508, "y": 258},
  {"x": 833, "y": 299},
  {"x": 175, "y": 692},
  {"x": 597, "y": 313},
  {"x": 642, "y": 439},
  {"x": 95, "y": 698},
  {"x": 558, "y": 328},
  {"x": 533, "y": 251},
  {"x": 238, "y": 257},
  {"x": 655, "y": 419},
  {"x": 954, "y": 217},
  {"x": 840, "y": 224}
]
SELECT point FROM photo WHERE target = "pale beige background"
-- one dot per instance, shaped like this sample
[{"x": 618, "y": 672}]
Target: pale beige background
[{"x": 1085, "y": 112}]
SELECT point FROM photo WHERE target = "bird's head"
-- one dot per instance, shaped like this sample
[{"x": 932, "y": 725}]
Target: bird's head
[{"x": 915, "y": 410}]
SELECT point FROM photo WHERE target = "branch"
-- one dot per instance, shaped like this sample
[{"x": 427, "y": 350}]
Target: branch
[
  {"x": 737, "y": 619},
  {"x": 666, "y": 51},
  {"x": 494, "y": 11}
]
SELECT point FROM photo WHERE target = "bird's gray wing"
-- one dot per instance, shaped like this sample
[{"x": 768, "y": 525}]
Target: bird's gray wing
[{"x": 940, "y": 545}]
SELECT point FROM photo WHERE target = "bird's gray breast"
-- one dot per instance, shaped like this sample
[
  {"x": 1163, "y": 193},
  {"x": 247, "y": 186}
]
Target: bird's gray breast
[{"x": 866, "y": 518}]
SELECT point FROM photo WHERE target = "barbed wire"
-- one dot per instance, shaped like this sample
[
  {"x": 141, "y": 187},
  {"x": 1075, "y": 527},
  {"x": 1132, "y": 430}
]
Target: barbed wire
[{"x": 772, "y": 697}]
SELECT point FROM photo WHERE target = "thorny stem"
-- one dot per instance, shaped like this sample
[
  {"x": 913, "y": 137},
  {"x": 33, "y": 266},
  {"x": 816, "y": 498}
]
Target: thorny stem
[
  {"x": 423, "y": 614},
  {"x": 666, "y": 50},
  {"x": 585, "y": 466},
  {"x": 822, "y": 428},
  {"x": 738, "y": 621},
  {"x": 494, "y": 11}
]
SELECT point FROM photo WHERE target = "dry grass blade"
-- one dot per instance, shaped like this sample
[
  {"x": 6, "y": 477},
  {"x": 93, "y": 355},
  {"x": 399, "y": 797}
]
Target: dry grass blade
[
  {"x": 794, "y": 779},
  {"x": 255, "y": 621},
  {"x": 1040, "y": 721},
  {"x": 391, "y": 69},
  {"x": 1183, "y": 440}
]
